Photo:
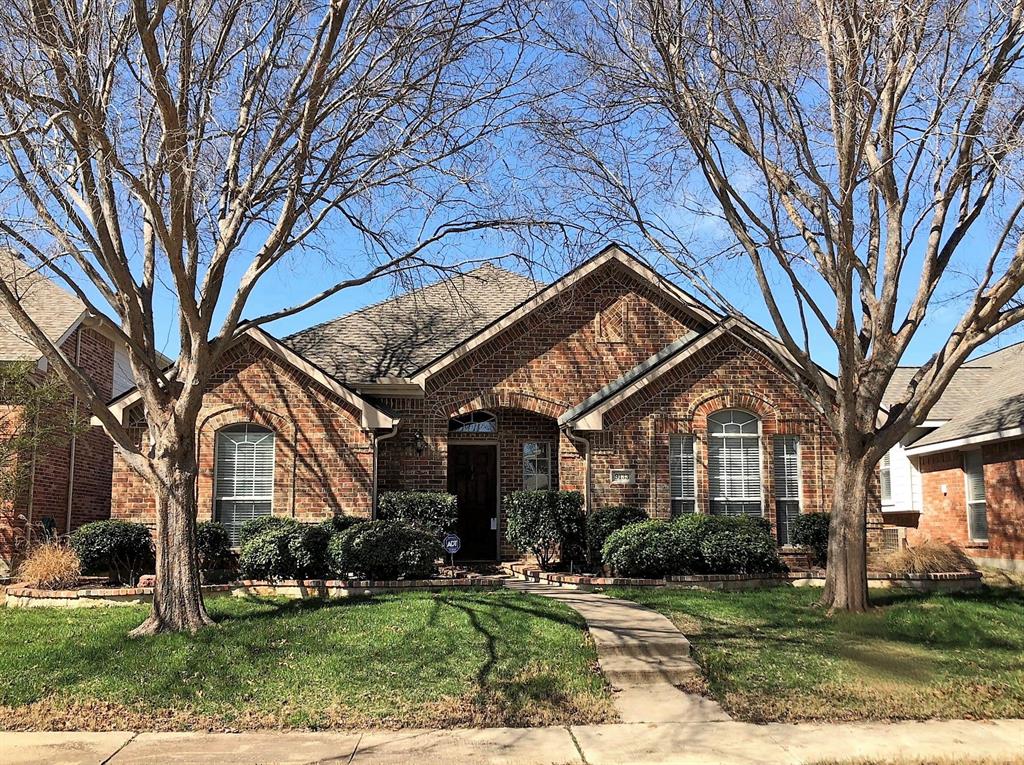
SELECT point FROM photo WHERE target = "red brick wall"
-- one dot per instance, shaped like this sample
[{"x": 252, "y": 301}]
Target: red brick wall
[
  {"x": 93, "y": 456},
  {"x": 323, "y": 460},
  {"x": 944, "y": 514}
]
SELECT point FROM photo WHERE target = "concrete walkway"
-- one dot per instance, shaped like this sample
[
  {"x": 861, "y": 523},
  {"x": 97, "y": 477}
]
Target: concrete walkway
[
  {"x": 642, "y": 654},
  {"x": 718, "y": 743}
]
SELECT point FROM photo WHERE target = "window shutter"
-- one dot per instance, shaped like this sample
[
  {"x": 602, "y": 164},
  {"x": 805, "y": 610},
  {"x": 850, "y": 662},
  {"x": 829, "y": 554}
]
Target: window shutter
[
  {"x": 977, "y": 509},
  {"x": 681, "y": 474}
]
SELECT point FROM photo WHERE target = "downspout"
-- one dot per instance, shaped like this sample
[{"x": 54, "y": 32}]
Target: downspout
[
  {"x": 32, "y": 482},
  {"x": 376, "y": 457},
  {"x": 586, "y": 465},
  {"x": 74, "y": 436}
]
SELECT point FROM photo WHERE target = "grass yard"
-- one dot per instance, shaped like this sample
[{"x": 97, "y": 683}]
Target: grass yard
[
  {"x": 771, "y": 655},
  {"x": 416, "y": 659}
]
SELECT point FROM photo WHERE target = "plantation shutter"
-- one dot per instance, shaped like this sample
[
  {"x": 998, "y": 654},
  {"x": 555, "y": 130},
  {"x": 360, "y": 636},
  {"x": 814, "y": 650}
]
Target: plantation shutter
[
  {"x": 734, "y": 463},
  {"x": 885, "y": 478},
  {"x": 243, "y": 476},
  {"x": 786, "y": 472},
  {"x": 681, "y": 473},
  {"x": 977, "y": 510}
]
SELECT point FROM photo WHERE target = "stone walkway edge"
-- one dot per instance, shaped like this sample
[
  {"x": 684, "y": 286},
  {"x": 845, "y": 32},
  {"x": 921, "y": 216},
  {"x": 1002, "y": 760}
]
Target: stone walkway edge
[{"x": 712, "y": 743}]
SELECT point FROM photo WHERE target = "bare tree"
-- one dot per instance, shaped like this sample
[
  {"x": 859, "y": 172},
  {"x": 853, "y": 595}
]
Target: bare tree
[
  {"x": 195, "y": 148},
  {"x": 864, "y": 158}
]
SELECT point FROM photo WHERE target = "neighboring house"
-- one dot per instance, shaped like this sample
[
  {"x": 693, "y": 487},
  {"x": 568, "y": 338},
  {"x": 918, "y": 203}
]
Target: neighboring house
[
  {"x": 610, "y": 380},
  {"x": 960, "y": 475},
  {"x": 68, "y": 482}
]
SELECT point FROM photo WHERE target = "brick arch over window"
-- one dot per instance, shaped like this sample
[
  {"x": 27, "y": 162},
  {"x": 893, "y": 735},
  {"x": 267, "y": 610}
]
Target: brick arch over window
[
  {"x": 716, "y": 401},
  {"x": 503, "y": 400},
  {"x": 285, "y": 432}
]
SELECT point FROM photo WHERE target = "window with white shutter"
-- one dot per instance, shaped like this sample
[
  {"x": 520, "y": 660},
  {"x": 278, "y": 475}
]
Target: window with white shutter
[
  {"x": 681, "y": 474},
  {"x": 243, "y": 476},
  {"x": 786, "y": 471},
  {"x": 885, "y": 478},
  {"x": 977, "y": 510},
  {"x": 734, "y": 463}
]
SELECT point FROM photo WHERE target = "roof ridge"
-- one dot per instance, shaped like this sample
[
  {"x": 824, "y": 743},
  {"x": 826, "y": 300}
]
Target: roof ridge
[
  {"x": 993, "y": 352},
  {"x": 409, "y": 293}
]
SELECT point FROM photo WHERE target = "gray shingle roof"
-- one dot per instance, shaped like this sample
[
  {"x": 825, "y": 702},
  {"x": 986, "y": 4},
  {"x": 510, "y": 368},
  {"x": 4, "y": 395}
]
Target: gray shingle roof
[
  {"x": 53, "y": 309},
  {"x": 396, "y": 337},
  {"x": 985, "y": 395}
]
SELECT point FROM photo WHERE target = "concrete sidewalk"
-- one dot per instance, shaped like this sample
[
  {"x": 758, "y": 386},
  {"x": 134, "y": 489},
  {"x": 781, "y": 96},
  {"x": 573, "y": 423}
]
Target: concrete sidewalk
[{"x": 723, "y": 743}]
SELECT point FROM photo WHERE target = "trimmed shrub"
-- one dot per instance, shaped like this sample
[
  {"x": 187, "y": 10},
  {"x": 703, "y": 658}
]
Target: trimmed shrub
[
  {"x": 120, "y": 548},
  {"x": 434, "y": 511},
  {"x": 286, "y": 551},
  {"x": 338, "y": 523},
  {"x": 693, "y": 544},
  {"x": 50, "y": 566},
  {"x": 257, "y": 526},
  {"x": 601, "y": 523},
  {"x": 741, "y": 551},
  {"x": 928, "y": 557},
  {"x": 213, "y": 547},
  {"x": 385, "y": 550},
  {"x": 546, "y": 523},
  {"x": 810, "y": 530},
  {"x": 649, "y": 550}
]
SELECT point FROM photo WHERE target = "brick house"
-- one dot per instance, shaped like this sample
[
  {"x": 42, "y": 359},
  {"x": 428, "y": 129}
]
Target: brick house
[
  {"x": 68, "y": 481},
  {"x": 610, "y": 380},
  {"x": 960, "y": 475}
]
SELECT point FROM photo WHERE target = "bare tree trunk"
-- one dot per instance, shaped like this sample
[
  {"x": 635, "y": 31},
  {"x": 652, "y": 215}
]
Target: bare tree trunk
[
  {"x": 846, "y": 582},
  {"x": 177, "y": 596}
]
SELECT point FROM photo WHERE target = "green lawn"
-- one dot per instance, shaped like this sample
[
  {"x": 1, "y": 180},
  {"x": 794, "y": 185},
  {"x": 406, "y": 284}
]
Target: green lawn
[
  {"x": 770, "y": 655},
  {"x": 416, "y": 659}
]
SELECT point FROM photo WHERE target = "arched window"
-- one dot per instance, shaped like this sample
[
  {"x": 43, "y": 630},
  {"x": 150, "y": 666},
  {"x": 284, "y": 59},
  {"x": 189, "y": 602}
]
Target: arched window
[
  {"x": 243, "y": 475},
  {"x": 474, "y": 422},
  {"x": 734, "y": 463}
]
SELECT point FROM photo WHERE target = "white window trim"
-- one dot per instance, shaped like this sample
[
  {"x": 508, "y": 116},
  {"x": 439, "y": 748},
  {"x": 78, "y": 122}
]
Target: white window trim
[
  {"x": 885, "y": 465},
  {"x": 217, "y": 468},
  {"x": 760, "y": 458},
  {"x": 547, "y": 461},
  {"x": 969, "y": 503}
]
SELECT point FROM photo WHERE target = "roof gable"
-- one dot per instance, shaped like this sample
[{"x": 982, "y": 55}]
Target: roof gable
[
  {"x": 56, "y": 311},
  {"x": 397, "y": 336}
]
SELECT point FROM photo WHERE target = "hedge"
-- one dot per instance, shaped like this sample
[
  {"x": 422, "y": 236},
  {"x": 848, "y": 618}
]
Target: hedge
[
  {"x": 433, "y": 511},
  {"x": 213, "y": 546},
  {"x": 810, "y": 530},
  {"x": 290, "y": 550},
  {"x": 546, "y": 523},
  {"x": 384, "y": 549},
  {"x": 601, "y": 523},
  {"x": 121, "y": 548},
  {"x": 693, "y": 544}
]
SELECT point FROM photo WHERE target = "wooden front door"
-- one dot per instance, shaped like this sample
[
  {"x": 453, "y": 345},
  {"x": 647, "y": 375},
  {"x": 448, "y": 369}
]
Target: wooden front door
[{"x": 473, "y": 479}]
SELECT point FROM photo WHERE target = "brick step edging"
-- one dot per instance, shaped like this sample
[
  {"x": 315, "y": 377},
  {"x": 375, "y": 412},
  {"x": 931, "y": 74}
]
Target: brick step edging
[{"x": 308, "y": 588}]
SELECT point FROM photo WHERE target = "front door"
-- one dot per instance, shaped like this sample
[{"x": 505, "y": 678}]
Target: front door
[{"x": 473, "y": 479}]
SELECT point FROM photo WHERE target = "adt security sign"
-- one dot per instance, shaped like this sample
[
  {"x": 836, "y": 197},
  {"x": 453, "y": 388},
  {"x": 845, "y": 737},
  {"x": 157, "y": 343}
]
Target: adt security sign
[{"x": 452, "y": 543}]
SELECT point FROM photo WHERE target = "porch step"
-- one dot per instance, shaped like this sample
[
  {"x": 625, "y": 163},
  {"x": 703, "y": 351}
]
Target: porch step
[
  {"x": 665, "y": 648},
  {"x": 631, "y": 671}
]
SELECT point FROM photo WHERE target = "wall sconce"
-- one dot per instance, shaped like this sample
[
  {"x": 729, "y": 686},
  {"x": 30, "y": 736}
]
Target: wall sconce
[{"x": 418, "y": 442}]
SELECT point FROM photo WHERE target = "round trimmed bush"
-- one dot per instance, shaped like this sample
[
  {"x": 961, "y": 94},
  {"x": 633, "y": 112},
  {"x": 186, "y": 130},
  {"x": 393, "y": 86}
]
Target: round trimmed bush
[
  {"x": 121, "y": 548},
  {"x": 547, "y": 523},
  {"x": 741, "y": 551},
  {"x": 385, "y": 550},
  {"x": 338, "y": 523},
  {"x": 434, "y": 511},
  {"x": 257, "y": 526},
  {"x": 286, "y": 551},
  {"x": 601, "y": 523},
  {"x": 213, "y": 547},
  {"x": 649, "y": 550},
  {"x": 810, "y": 530}
]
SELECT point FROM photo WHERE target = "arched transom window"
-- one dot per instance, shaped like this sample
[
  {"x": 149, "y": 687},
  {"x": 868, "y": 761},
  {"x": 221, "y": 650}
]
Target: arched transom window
[
  {"x": 474, "y": 422},
  {"x": 243, "y": 475},
  {"x": 734, "y": 463}
]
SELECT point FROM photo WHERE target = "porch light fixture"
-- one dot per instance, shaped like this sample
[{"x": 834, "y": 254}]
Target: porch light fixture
[{"x": 418, "y": 442}]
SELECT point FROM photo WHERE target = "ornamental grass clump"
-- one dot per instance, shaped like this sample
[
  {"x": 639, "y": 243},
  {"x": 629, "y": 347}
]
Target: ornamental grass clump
[
  {"x": 927, "y": 557},
  {"x": 50, "y": 566}
]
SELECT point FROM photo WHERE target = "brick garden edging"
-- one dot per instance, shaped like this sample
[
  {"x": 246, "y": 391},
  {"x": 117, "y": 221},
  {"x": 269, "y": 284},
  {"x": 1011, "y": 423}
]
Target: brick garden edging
[
  {"x": 27, "y": 597},
  {"x": 945, "y": 582}
]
